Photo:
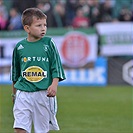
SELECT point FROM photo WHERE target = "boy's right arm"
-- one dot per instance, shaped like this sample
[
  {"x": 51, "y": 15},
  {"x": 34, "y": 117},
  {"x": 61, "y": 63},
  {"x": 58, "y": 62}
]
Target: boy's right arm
[
  {"x": 13, "y": 92},
  {"x": 15, "y": 71}
]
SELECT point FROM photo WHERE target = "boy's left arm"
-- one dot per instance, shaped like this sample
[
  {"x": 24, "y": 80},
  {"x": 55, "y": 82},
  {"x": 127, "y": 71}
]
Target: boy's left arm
[{"x": 52, "y": 89}]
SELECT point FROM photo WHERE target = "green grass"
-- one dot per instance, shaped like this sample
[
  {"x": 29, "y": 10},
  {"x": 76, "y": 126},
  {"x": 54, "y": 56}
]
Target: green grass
[{"x": 82, "y": 109}]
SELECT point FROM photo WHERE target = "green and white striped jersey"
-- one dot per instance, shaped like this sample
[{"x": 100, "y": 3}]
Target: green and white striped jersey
[{"x": 35, "y": 64}]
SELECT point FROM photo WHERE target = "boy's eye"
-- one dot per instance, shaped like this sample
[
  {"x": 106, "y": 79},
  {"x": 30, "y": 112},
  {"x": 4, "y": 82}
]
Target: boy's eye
[{"x": 39, "y": 25}]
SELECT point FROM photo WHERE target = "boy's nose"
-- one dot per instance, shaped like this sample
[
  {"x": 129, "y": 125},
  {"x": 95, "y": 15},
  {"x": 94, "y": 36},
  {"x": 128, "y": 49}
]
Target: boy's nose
[{"x": 43, "y": 27}]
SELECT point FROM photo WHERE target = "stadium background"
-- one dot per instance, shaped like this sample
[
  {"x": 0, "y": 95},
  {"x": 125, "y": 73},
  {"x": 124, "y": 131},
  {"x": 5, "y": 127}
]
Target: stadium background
[{"x": 97, "y": 58}]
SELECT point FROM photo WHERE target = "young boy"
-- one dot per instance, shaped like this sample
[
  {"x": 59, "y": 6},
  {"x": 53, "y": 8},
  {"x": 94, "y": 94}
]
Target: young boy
[{"x": 36, "y": 71}]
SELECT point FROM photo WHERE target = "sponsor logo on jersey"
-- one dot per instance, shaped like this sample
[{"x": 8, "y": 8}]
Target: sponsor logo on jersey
[
  {"x": 34, "y": 74},
  {"x": 26, "y": 59}
]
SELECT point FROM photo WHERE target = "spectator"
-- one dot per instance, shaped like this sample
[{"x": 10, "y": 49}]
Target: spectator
[
  {"x": 21, "y": 5},
  {"x": 132, "y": 15},
  {"x": 83, "y": 4},
  {"x": 125, "y": 14},
  {"x": 59, "y": 15},
  {"x": 3, "y": 21},
  {"x": 80, "y": 21},
  {"x": 106, "y": 11},
  {"x": 94, "y": 11},
  {"x": 47, "y": 8},
  {"x": 14, "y": 20},
  {"x": 3, "y": 16},
  {"x": 132, "y": 12},
  {"x": 71, "y": 6}
]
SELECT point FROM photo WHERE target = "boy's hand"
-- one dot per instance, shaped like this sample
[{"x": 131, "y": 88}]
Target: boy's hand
[
  {"x": 52, "y": 90},
  {"x": 13, "y": 92},
  {"x": 13, "y": 98}
]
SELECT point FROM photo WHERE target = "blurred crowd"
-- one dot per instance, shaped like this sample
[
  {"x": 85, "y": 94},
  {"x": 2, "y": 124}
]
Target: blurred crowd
[{"x": 67, "y": 13}]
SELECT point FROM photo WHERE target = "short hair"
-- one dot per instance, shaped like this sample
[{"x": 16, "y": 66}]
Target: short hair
[{"x": 29, "y": 13}]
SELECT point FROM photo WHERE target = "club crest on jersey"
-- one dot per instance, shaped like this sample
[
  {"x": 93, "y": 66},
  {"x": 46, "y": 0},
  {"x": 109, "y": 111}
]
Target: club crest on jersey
[
  {"x": 46, "y": 47},
  {"x": 34, "y": 74}
]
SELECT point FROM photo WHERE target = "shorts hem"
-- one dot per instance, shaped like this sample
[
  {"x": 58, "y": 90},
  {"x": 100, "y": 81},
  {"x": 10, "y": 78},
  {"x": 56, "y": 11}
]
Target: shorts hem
[{"x": 21, "y": 127}]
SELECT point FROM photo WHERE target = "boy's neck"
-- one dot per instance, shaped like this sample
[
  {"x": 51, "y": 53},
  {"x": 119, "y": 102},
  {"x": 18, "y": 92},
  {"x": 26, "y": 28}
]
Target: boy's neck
[{"x": 32, "y": 39}]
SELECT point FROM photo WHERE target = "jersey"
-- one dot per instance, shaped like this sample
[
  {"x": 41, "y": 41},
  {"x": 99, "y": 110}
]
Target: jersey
[{"x": 35, "y": 64}]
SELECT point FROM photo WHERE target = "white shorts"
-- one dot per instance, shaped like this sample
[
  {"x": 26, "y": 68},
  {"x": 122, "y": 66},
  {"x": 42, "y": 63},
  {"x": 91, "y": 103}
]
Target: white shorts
[{"x": 35, "y": 107}]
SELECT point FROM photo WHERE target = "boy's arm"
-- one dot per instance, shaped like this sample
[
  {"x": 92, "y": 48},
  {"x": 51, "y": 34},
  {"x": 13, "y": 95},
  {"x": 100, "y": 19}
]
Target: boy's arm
[
  {"x": 13, "y": 92},
  {"x": 15, "y": 71},
  {"x": 56, "y": 65},
  {"x": 52, "y": 89}
]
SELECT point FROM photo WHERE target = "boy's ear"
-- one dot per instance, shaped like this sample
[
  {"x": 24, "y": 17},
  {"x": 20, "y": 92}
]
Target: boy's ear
[{"x": 26, "y": 28}]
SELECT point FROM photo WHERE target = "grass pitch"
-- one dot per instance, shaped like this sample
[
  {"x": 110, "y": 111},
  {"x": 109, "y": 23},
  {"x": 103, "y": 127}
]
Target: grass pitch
[{"x": 82, "y": 109}]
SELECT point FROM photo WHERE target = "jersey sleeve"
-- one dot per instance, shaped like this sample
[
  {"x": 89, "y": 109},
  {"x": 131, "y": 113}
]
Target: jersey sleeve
[
  {"x": 15, "y": 67},
  {"x": 56, "y": 66}
]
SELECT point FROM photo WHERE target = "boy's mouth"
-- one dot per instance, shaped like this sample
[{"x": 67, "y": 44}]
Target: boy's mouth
[{"x": 42, "y": 34}]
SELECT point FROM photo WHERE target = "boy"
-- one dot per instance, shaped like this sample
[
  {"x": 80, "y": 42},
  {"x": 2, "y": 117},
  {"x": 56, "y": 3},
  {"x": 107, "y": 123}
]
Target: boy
[{"x": 36, "y": 71}]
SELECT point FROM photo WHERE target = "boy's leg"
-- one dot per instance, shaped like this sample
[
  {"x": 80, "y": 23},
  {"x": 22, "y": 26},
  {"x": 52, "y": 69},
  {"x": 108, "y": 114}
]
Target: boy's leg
[
  {"x": 22, "y": 113},
  {"x": 41, "y": 113},
  {"x": 19, "y": 130},
  {"x": 44, "y": 113}
]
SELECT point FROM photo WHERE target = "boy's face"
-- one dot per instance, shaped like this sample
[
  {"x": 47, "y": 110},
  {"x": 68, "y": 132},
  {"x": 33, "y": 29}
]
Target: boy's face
[{"x": 37, "y": 29}]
